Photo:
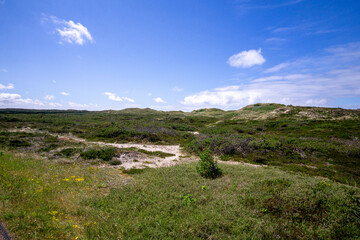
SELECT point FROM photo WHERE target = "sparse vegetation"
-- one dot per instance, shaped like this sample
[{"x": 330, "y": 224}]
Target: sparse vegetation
[{"x": 308, "y": 190}]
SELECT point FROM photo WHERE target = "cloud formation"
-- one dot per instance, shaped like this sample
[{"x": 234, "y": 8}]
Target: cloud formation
[
  {"x": 277, "y": 67},
  {"x": 114, "y": 97},
  {"x": 65, "y": 93},
  {"x": 159, "y": 100},
  {"x": 15, "y": 100},
  {"x": 81, "y": 106},
  {"x": 49, "y": 97},
  {"x": 246, "y": 59},
  {"x": 9, "y": 86},
  {"x": 71, "y": 32},
  {"x": 313, "y": 80}
]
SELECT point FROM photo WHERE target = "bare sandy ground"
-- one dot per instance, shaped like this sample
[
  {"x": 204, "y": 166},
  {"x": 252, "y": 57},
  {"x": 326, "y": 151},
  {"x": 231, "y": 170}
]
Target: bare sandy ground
[{"x": 133, "y": 159}]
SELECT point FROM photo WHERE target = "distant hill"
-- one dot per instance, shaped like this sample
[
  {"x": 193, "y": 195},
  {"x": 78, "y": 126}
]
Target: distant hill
[
  {"x": 273, "y": 110},
  {"x": 256, "y": 111}
]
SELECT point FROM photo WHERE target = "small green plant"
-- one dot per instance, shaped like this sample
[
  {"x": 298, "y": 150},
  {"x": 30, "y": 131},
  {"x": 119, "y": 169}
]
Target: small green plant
[
  {"x": 104, "y": 154},
  {"x": 115, "y": 162},
  {"x": 207, "y": 167},
  {"x": 204, "y": 187},
  {"x": 188, "y": 199}
]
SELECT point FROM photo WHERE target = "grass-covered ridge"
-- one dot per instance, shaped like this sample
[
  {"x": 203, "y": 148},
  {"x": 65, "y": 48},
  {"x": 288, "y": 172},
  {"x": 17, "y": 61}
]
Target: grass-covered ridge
[
  {"x": 317, "y": 141},
  {"x": 46, "y": 199}
]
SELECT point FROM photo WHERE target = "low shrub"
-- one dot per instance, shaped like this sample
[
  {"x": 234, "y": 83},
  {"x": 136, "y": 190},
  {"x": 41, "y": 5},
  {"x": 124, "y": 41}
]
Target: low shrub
[
  {"x": 207, "y": 167},
  {"x": 104, "y": 154},
  {"x": 68, "y": 152}
]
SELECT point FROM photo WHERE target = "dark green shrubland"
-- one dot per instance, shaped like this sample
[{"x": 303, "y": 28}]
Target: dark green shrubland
[{"x": 207, "y": 167}]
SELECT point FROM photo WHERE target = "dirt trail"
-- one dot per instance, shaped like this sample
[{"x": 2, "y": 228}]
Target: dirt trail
[
  {"x": 133, "y": 159},
  {"x": 129, "y": 159},
  {"x": 3, "y": 233}
]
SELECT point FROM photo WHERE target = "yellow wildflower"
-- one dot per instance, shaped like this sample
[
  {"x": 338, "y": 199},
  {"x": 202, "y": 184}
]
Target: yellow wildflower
[
  {"x": 79, "y": 179},
  {"x": 53, "y": 213},
  {"x": 75, "y": 226},
  {"x": 66, "y": 179}
]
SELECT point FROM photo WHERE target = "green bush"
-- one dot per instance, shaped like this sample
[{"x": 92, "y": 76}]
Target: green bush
[
  {"x": 207, "y": 167},
  {"x": 68, "y": 152},
  {"x": 104, "y": 154}
]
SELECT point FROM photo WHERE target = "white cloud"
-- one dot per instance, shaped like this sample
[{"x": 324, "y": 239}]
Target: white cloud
[
  {"x": 284, "y": 29},
  {"x": 346, "y": 52},
  {"x": 9, "y": 86},
  {"x": 246, "y": 4},
  {"x": 159, "y": 100},
  {"x": 15, "y": 100},
  {"x": 129, "y": 99},
  {"x": 49, "y": 97},
  {"x": 113, "y": 97},
  {"x": 275, "y": 39},
  {"x": 71, "y": 32},
  {"x": 314, "y": 80},
  {"x": 287, "y": 92},
  {"x": 316, "y": 101},
  {"x": 77, "y": 105},
  {"x": 177, "y": 89},
  {"x": 65, "y": 93},
  {"x": 281, "y": 78},
  {"x": 149, "y": 94},
  {"x": 277, "y": 68},
  {"x": 246, "y": 59},
  {"x": 82, "y": 106}
]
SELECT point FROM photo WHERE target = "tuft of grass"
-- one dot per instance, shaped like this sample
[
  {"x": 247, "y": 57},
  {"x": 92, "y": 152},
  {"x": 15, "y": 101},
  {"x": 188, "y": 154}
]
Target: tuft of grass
[
  {"x": 156, "y": 153},
  {"x": 150, "y": 153}
]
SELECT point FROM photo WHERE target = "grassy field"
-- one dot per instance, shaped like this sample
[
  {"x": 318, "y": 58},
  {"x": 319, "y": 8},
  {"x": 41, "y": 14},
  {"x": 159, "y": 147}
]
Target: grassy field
[
  {"x": 317, "y": 141},
  {"x": 305, "y": 185},
  {"x": 41, "y": 199}
]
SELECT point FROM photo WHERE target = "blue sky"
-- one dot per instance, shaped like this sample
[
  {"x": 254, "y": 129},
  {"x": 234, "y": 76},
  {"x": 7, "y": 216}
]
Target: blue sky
[{"x": 178, "y": 55}]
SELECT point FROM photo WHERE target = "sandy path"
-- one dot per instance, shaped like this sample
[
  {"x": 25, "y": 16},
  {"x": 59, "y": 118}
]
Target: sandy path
[
  {"x": 139, "y": 160},
  {"x": 129, "y": 160}
]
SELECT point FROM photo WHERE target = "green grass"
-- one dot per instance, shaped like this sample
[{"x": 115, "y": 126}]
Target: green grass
[
  {"x": 150, "y": 153},
  {"x": 325, "y": 138},
  {"x": 156, "y": 153},
  {"x": 40, "y": 200}
]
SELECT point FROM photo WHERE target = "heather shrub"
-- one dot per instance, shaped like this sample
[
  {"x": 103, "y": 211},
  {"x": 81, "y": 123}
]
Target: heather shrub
[{"x": 207, "y": 166}]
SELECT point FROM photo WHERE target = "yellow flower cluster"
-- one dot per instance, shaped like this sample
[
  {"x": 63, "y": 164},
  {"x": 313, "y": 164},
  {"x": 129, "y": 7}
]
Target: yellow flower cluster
[
  {"x": 77, "y": 179},
  {"x": 53, "y": 213},
  {"x": 324, "y": 183}
]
